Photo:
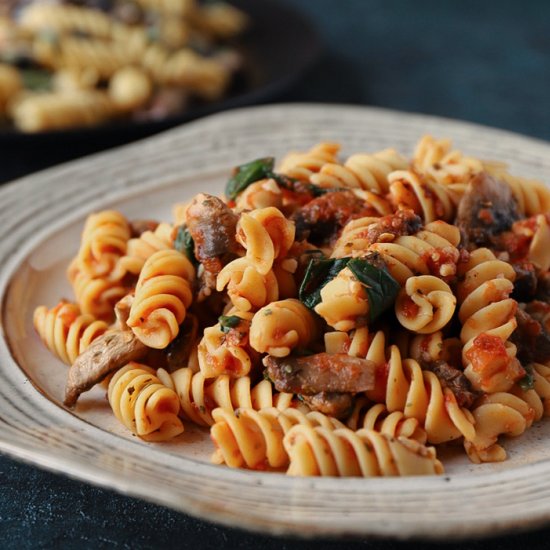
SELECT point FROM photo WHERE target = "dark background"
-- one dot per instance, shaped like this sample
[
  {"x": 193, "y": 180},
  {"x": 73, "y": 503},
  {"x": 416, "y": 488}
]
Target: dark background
[{"x": 487, "y": 62}]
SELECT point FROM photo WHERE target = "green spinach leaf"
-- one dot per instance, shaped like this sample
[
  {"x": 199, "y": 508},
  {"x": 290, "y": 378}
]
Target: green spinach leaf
[
  {"x": 319, "y": 272},
  {"x": 184, "y": 243},
  {"x": 248, "y": 173},
  {"x": 227, "y": 322},
  {"x": 380, "y": 286},
  {"x": 528, "y": 381}
]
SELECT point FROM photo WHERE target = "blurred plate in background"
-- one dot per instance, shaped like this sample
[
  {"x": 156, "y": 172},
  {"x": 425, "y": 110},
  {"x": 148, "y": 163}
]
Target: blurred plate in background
[{"x": 277, "y": 49}]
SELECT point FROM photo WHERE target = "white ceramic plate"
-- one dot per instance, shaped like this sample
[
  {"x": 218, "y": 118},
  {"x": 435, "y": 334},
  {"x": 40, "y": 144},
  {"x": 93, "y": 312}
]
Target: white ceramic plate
[{"x": 42, "y": 217}]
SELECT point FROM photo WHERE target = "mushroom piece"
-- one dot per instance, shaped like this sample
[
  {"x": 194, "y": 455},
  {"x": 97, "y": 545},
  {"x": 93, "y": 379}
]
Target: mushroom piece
[
  {"x": 321, "y": 372},
  {"x": 106, "y": 354},
  {"x": 487, "y": 209}
]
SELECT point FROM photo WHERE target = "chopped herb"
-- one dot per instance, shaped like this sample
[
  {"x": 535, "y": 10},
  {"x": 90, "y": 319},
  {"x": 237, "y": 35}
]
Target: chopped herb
[
  {"x": 380, "y": 286},
  {"x": 36, "y": 80},
  {"x": 227, "y": 322},
  {"x": 268, "y": 312},
  {"x": 319, "y": 272},
  {"x": 299, "y": 186},
  {"x": 184, "y": 243},
  {"x": 528, "y": 381},
  {"x": 248, "y": 173}
]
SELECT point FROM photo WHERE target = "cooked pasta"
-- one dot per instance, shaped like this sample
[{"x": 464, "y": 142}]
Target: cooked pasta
[
  {"x": 435, "y": 159},
  {"x": 266, "y": 235},
  {"x": 366, "y": 453},
  {"x": 163, "y": 294},
  {"x": 344, "y": 302},
  {"x": 425, "y": 305},
  {"x": 57, "y": 110},
  {"x": 96, "y": 63},
  {"x": 361, "y": 171},
  {"x": 377, "y": 417},
  {"x": 254, "y": 439},
  {"x": 487, "y": 314},
  {"x": 419, "y": 394},
  {"x": 282, "y": 326},
  {"x": 302, "y": 165},
  {"x": 431, "y": 251},
  {"x": 225, "y": 349},
  {"x": 247, "y": 288},
  {"x": 65, "y": 331},
  {"x": 130, "y": 88},
  {"x": 10, "y": 86},
  {"x": 140, "y": 249},
  {"x": 144, "y": 404},
  {"x": 104, "y": 241},
  {"x": 199, "y": 395},
  {"x": 387, "y": 303},
  {"x": 97, "y": 296},
  {"x": 430, "y": 200}
]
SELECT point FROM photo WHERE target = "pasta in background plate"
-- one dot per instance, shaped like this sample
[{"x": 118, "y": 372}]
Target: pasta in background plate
[
  {"x": 331, "y": 316},
  {"x": 64, "y": 65}
]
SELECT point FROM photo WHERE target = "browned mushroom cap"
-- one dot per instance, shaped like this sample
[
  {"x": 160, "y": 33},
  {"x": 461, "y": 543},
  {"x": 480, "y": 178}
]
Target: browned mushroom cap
[
  {"x": 337, "y": 405},
  {"x": 108, "y": 353},
  {"x": 213, "y": 226},
  {"x": 487, "y": 209},
  {"x": 322, "y": 372}
]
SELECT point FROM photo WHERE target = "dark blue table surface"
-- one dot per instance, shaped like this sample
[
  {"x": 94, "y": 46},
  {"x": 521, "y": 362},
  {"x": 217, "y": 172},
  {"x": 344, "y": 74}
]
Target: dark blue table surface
[{"x": 487, "y": 62}]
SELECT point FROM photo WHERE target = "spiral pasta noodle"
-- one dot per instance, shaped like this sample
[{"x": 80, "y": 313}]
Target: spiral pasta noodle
[
  {"x": 377, "y": 417},
  {"x": 266, "y": 235},
  {"x": 227, "y": 352},
  {"x": 140, "y": 249},
  {"x": 254, "y": 439},
  {"x": 282, "y": 326},
  {"x": 56, "y": 110},
  {"x": 365, "y": 453},
  {"x": 163, "y": 294},
  {"x": 104, "y": 241},
  {"x": 144, "y": 404},
  {"x": 261, "y": 194},
  {"x": 105, "y": 58},
  {"x": 353, "y": 238},
  {"x": 302, "y": 165},
  {"x": 487, "y": 314},
  {"x": 361, "y": 171},
  {"x": 532, "y": 196},
  {"x": 96, "y": 296},
  {"x": 419, "y": 394},
  {"x": 66, "y": 19},
  {"x": 435, "y": 159},
  {"x": 65, "y": 331},
  {"x": 10, "y": 86},
  {"x": 344, "y": 302},
  {"x": 199, "y": 395},
  {"x": 425, "y": 305},
  {"x": 247, "y": 288},
  {"x": 430, "y": 200},
  {"x": 431, "y": 251}
]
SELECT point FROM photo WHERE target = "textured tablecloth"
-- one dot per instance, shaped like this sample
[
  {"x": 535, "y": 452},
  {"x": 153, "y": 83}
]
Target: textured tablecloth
[{"x": 487, "y": 62}]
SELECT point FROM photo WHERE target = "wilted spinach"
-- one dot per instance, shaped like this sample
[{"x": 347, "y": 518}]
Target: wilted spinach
[{"x": 380, "y": 286}]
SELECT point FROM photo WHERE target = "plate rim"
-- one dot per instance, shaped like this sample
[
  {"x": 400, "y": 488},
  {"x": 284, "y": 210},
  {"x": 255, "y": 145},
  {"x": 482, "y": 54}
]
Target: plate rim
[{"x": 222, "y": 516}]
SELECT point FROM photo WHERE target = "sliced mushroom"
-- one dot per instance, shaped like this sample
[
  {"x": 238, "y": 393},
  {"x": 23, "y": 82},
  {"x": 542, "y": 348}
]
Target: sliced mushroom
[{"x": 108, "y": 353}]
